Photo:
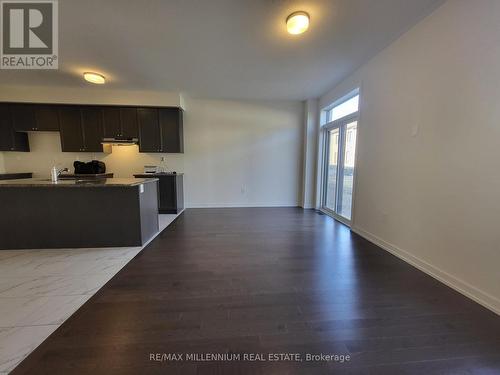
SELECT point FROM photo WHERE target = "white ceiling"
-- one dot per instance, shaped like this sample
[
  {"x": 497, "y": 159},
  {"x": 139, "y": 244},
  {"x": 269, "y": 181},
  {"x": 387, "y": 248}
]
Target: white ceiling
[{"x": 221, "y": 48}]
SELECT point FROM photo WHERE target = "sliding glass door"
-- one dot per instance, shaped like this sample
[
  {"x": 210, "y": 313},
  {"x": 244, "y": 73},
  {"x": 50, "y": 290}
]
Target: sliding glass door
[
  {"x": 344, "y": 208},
  {"x": 339, "y": 159},
  {"x": 332, "y": 164}
]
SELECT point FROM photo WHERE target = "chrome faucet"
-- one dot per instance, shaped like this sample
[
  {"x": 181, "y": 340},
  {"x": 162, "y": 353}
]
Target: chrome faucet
[
  {"x": 59, "y": 172},
  {"x": 55, "y": 173}
]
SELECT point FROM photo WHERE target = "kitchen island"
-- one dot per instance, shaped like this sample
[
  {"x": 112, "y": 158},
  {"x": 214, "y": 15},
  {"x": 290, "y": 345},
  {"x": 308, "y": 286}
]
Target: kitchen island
[{"x": 41, "y": 214}]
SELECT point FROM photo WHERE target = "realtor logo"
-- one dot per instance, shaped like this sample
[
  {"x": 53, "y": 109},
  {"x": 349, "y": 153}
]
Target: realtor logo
[{"x": 29, "y": 34}]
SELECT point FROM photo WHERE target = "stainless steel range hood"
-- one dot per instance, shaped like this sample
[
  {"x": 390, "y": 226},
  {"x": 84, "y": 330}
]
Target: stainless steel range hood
[{"x": 120, "y": 141}]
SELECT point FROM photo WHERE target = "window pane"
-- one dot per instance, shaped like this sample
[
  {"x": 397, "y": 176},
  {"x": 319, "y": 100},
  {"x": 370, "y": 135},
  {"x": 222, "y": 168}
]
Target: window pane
[
  {"x": 344, "y": 109},
  {"x": 348, "y": 175},
  {"x": 333, "y": 157}
]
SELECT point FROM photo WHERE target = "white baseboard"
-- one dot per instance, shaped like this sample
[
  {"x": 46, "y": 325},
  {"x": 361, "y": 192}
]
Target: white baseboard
[
  {"x": 308, "y": 207},
  {"x": 239, "y": 205},
  {"x": 490, "y": 302}
]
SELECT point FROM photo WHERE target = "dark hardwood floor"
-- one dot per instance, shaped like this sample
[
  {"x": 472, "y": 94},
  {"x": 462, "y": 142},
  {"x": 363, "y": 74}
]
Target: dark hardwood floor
[{"x": 271, "y": 280}]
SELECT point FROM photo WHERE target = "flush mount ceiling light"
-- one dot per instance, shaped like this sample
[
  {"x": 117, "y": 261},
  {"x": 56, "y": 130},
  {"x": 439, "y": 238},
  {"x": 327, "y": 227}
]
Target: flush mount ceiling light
[
  {"x": 96, "y": 78},
  {"x": 297, "y": 22}
]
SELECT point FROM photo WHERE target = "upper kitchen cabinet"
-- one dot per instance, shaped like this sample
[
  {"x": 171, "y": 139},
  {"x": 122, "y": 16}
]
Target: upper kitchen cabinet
[
  {"x": 92, "y": 129},
  {"x": 120, "y": 123},
  {"x": 46, "y": 118},
  {"x": 160, "y": 130},
  {"x": 34, "y": 117},
  {"x": 70, "y": 121},
  {"x": 149, "y": 130},
  {"x": 81, "y": 128},
  {"x": 171, "y": 127},
  {"x": 130, "y": 128},
  {"x": 23, "y": 117},
  {"x": 10, "y": 140}
]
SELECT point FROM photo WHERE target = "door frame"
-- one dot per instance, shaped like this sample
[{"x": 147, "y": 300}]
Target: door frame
[{"x": 340, "y": 124}]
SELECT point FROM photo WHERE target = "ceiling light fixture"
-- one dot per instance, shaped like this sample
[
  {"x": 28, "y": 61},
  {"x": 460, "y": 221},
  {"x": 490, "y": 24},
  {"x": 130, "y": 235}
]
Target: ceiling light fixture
[
  {"x": 297, "y": 22},
  {"x": 96, "y": 78}
]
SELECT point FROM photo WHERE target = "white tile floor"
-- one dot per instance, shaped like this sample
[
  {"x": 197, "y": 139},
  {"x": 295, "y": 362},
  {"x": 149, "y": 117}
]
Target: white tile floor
[{"x": 40, "y": 289}]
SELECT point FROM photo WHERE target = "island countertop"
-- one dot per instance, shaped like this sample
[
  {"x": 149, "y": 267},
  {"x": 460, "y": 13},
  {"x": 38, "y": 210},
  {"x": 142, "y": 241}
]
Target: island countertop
[
  {"x": 105, "y": 182},
  {"x": 113, "y": 212}
]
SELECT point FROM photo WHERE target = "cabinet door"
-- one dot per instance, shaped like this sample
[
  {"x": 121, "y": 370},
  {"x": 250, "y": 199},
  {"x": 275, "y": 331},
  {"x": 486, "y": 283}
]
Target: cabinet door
[
  {"x": 111, "y": 122},
  {"x": 9, "y": 139},
  {"x": 129, "y": 128},
  {"x": 46, "y": 117},
  {"x": 92, "y": 128},
  {"x": 149, "y": 130},
  {"x": 23, "y": 117},
  {"x": 167, "y": 194},
  {"x": 6, "y": 141},
  {"x": 171, "y": 130},
  {"x": 21, "y": 142},
  {"x": 70, "y": 122}
]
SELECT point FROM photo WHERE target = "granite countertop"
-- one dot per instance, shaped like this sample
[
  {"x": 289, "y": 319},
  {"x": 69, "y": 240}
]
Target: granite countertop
[
  {"x": 157, "y": 174},
  {"x": 105, "y": 182},
  {"x": 85, "y": 176},
  {"x": 15, "y": 176}
]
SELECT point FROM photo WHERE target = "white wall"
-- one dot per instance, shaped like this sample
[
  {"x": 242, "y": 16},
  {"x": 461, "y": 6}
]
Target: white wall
[
  {"x": 2, "y": 167},
  {"x": 237, "y": 153},
  {"x": 89, "y": 95},
  {"x": 428, "y": 179},
  {"x": 310, "y": 152},
  {"x": 243, "y": 153}
]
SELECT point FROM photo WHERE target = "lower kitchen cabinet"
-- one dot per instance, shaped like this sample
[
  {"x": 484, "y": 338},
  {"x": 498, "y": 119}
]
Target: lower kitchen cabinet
[{"x": 170, "y": 191}]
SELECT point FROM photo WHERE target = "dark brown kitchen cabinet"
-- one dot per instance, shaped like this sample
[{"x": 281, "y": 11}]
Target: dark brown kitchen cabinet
[
  {"x": 10, "y": 140},
  {"x": 171, "y": 128},
  {"x": 70, "y": 121},
  {"x": 170, "y": 191},
  {"x": 120, "y": 123},
  {"x": 92, "y": 129},
  {"x": 23, "y": 117},
  {"x": 160, "y": 130},
  {"x": 46, "y": 118},
  {"x": 149, "y": 130},
  {"x": 81, "y": 129},
  {"x": 111, "y": 122},
  {"x": 34, "y": 117},
  {"x": 128, "y": 118}
]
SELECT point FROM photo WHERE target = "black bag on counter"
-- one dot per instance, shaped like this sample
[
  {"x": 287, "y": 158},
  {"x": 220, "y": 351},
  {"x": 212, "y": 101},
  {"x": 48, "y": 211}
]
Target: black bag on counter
[{"x": 92, "y": 167}]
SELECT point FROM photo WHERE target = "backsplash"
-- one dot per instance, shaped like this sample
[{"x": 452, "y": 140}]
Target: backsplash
[
  {"x": 2, "y": 167},
  {"x": 46, "y": 152}
]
